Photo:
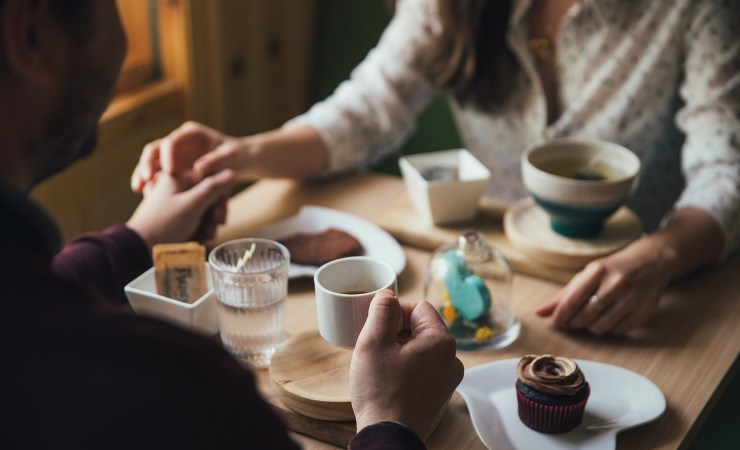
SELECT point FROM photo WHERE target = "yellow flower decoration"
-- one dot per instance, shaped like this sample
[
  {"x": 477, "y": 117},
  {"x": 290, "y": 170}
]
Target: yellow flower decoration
[
  {"x": 483, "y": 333},
  {"x": 449, "y": 312}
]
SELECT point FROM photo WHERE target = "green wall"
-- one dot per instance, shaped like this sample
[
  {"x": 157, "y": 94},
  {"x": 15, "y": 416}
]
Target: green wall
[{"x": 347, "y": 30}]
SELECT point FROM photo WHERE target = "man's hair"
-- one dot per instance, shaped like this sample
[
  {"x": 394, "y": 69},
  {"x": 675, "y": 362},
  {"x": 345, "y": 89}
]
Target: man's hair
[
  {"x": 71, "y": 13},
  {"x": 68, "y": 11}
]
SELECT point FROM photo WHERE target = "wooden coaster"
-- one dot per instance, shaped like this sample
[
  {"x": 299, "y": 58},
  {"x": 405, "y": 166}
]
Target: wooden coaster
[
  {"x": 528, "y": 227},
  {"x": 312, "y": 377}
]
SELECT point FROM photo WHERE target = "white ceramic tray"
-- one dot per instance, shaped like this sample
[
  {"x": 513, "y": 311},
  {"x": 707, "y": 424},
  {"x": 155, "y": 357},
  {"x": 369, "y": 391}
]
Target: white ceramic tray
[{"x": 620, "y": 399}]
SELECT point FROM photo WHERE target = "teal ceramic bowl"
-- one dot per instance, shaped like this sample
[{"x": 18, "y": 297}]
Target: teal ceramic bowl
[{"x": 579, "y": 182}]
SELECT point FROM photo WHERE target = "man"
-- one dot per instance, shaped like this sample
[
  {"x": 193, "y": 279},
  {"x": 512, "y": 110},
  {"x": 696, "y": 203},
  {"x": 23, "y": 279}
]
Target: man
[{"x": 78, "y": 374}]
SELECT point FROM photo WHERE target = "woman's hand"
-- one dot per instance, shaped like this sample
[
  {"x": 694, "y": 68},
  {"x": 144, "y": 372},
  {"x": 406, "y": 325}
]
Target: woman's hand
[
  {"x": 620, "y": 292},
  {"x": 189, "y": 153},
  {"x": 407, "y": 377},
  {"x": 613, "y": 294}
]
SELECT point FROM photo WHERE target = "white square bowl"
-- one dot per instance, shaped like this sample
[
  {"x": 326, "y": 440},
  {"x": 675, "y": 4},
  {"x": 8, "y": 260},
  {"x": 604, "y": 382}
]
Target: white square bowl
[
  {"x": 445, "y": 187},
  {"x": 200, "y": 316}
]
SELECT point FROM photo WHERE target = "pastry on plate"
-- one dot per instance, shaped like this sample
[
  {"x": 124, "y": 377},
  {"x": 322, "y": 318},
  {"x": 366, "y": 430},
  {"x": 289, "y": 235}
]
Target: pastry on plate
[
  {"x": 317, "y": 249},
  {"x": 551, "y": 393}
]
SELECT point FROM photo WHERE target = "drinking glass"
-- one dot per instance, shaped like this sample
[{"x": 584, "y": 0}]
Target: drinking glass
[{"x": 250, "y": 280}]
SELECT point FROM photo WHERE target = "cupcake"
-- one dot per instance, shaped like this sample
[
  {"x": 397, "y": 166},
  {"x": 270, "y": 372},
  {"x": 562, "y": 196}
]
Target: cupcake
[{"x": 551, "y": 392}]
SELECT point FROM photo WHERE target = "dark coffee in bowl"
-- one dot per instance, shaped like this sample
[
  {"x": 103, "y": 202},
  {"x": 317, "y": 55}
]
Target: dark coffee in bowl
[{"x": 579, "y": 169}]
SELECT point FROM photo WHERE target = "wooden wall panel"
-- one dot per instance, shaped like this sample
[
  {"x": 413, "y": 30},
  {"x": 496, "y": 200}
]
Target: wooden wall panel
[
  {"x": 264, "y": 50},
  {"x": 245, "y": 65}
]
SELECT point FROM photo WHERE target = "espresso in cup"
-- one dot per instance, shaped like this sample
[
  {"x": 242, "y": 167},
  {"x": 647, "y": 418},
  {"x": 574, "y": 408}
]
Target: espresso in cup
[
  {"x": 344, "y": 289},
  {"x": 356, "y": 291}
]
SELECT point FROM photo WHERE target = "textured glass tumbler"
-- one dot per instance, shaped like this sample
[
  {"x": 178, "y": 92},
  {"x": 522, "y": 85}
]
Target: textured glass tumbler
[{"x": 250, "y": 279}]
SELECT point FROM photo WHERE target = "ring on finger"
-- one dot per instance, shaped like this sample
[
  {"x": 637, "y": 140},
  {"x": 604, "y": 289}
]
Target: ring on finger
[{"x": 596, "y": 302}]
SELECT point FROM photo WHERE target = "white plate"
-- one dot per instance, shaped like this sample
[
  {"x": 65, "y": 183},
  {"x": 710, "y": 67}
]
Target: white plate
[
  {"x": 312, "y": 219},
  {"x": 620, "y": 399}
]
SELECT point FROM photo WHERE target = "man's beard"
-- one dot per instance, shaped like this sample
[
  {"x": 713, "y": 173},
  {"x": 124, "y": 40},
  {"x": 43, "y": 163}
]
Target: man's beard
[
  {"x": 72, "y": 132},
  {"x": 65, "y": 153}
]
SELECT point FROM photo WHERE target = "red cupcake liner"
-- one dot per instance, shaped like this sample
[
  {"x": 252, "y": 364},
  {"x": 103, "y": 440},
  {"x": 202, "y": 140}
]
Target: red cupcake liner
[{"x": 550, "y": 418}]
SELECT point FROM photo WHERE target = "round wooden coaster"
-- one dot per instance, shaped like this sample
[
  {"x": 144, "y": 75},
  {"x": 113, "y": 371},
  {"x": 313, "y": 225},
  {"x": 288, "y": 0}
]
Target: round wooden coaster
[
  {"x": 311, "y": 376},
  {"x": 528, "y": 227}
]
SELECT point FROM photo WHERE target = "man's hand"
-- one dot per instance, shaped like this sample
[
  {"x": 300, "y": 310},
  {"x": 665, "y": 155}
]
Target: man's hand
[{"x": 405, "y": 377}]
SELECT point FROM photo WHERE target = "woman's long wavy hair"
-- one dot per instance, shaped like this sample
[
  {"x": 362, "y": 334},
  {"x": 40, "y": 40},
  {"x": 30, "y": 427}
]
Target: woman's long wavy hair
[{"x": 470, "y": 58}]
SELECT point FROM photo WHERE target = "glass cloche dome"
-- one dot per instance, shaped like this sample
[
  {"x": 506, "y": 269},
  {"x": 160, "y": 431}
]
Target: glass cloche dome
[{"x": 469, "y": 283}]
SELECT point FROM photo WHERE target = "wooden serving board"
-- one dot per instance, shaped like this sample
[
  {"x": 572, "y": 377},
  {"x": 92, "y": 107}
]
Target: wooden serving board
[
  {"x": 529, "y": 243},
  {"x": 402, "y": 221}
]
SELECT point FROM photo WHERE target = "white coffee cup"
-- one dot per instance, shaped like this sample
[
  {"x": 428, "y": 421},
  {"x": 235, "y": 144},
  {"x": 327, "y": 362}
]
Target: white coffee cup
[{"x": 344, "y": 289}]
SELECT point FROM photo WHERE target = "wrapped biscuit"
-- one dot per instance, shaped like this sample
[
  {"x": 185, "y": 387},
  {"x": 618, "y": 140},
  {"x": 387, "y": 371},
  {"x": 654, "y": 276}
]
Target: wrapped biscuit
[{"x": 180, "y": 270}]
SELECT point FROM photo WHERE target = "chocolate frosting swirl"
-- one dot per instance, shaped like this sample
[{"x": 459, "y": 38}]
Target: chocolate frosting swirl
[{"x": 551, "y": 374}]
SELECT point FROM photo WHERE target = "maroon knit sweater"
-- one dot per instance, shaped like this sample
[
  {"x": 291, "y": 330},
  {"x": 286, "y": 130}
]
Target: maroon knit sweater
[{"x": 79, "y": 372}]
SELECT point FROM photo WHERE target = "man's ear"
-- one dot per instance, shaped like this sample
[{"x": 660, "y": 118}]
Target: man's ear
[{"x": 32, "y": 42}]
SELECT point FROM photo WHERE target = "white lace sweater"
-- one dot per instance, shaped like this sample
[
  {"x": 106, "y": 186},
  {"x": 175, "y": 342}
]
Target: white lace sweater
[{"x": 659, "y": 77}]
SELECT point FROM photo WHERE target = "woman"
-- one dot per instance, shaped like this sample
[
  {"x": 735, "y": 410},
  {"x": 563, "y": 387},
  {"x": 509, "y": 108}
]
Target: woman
[{"x": 659, "y": 77}]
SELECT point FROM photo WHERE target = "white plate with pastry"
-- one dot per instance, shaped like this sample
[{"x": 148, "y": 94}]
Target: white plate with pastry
[
  {"x": 375, "y": 241},
  {"x": 620, "y": 399}
]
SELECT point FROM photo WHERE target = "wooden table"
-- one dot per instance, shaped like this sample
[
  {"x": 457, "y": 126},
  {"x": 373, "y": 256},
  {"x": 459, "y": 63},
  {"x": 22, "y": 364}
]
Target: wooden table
[{"x": 689, "y": 349}]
